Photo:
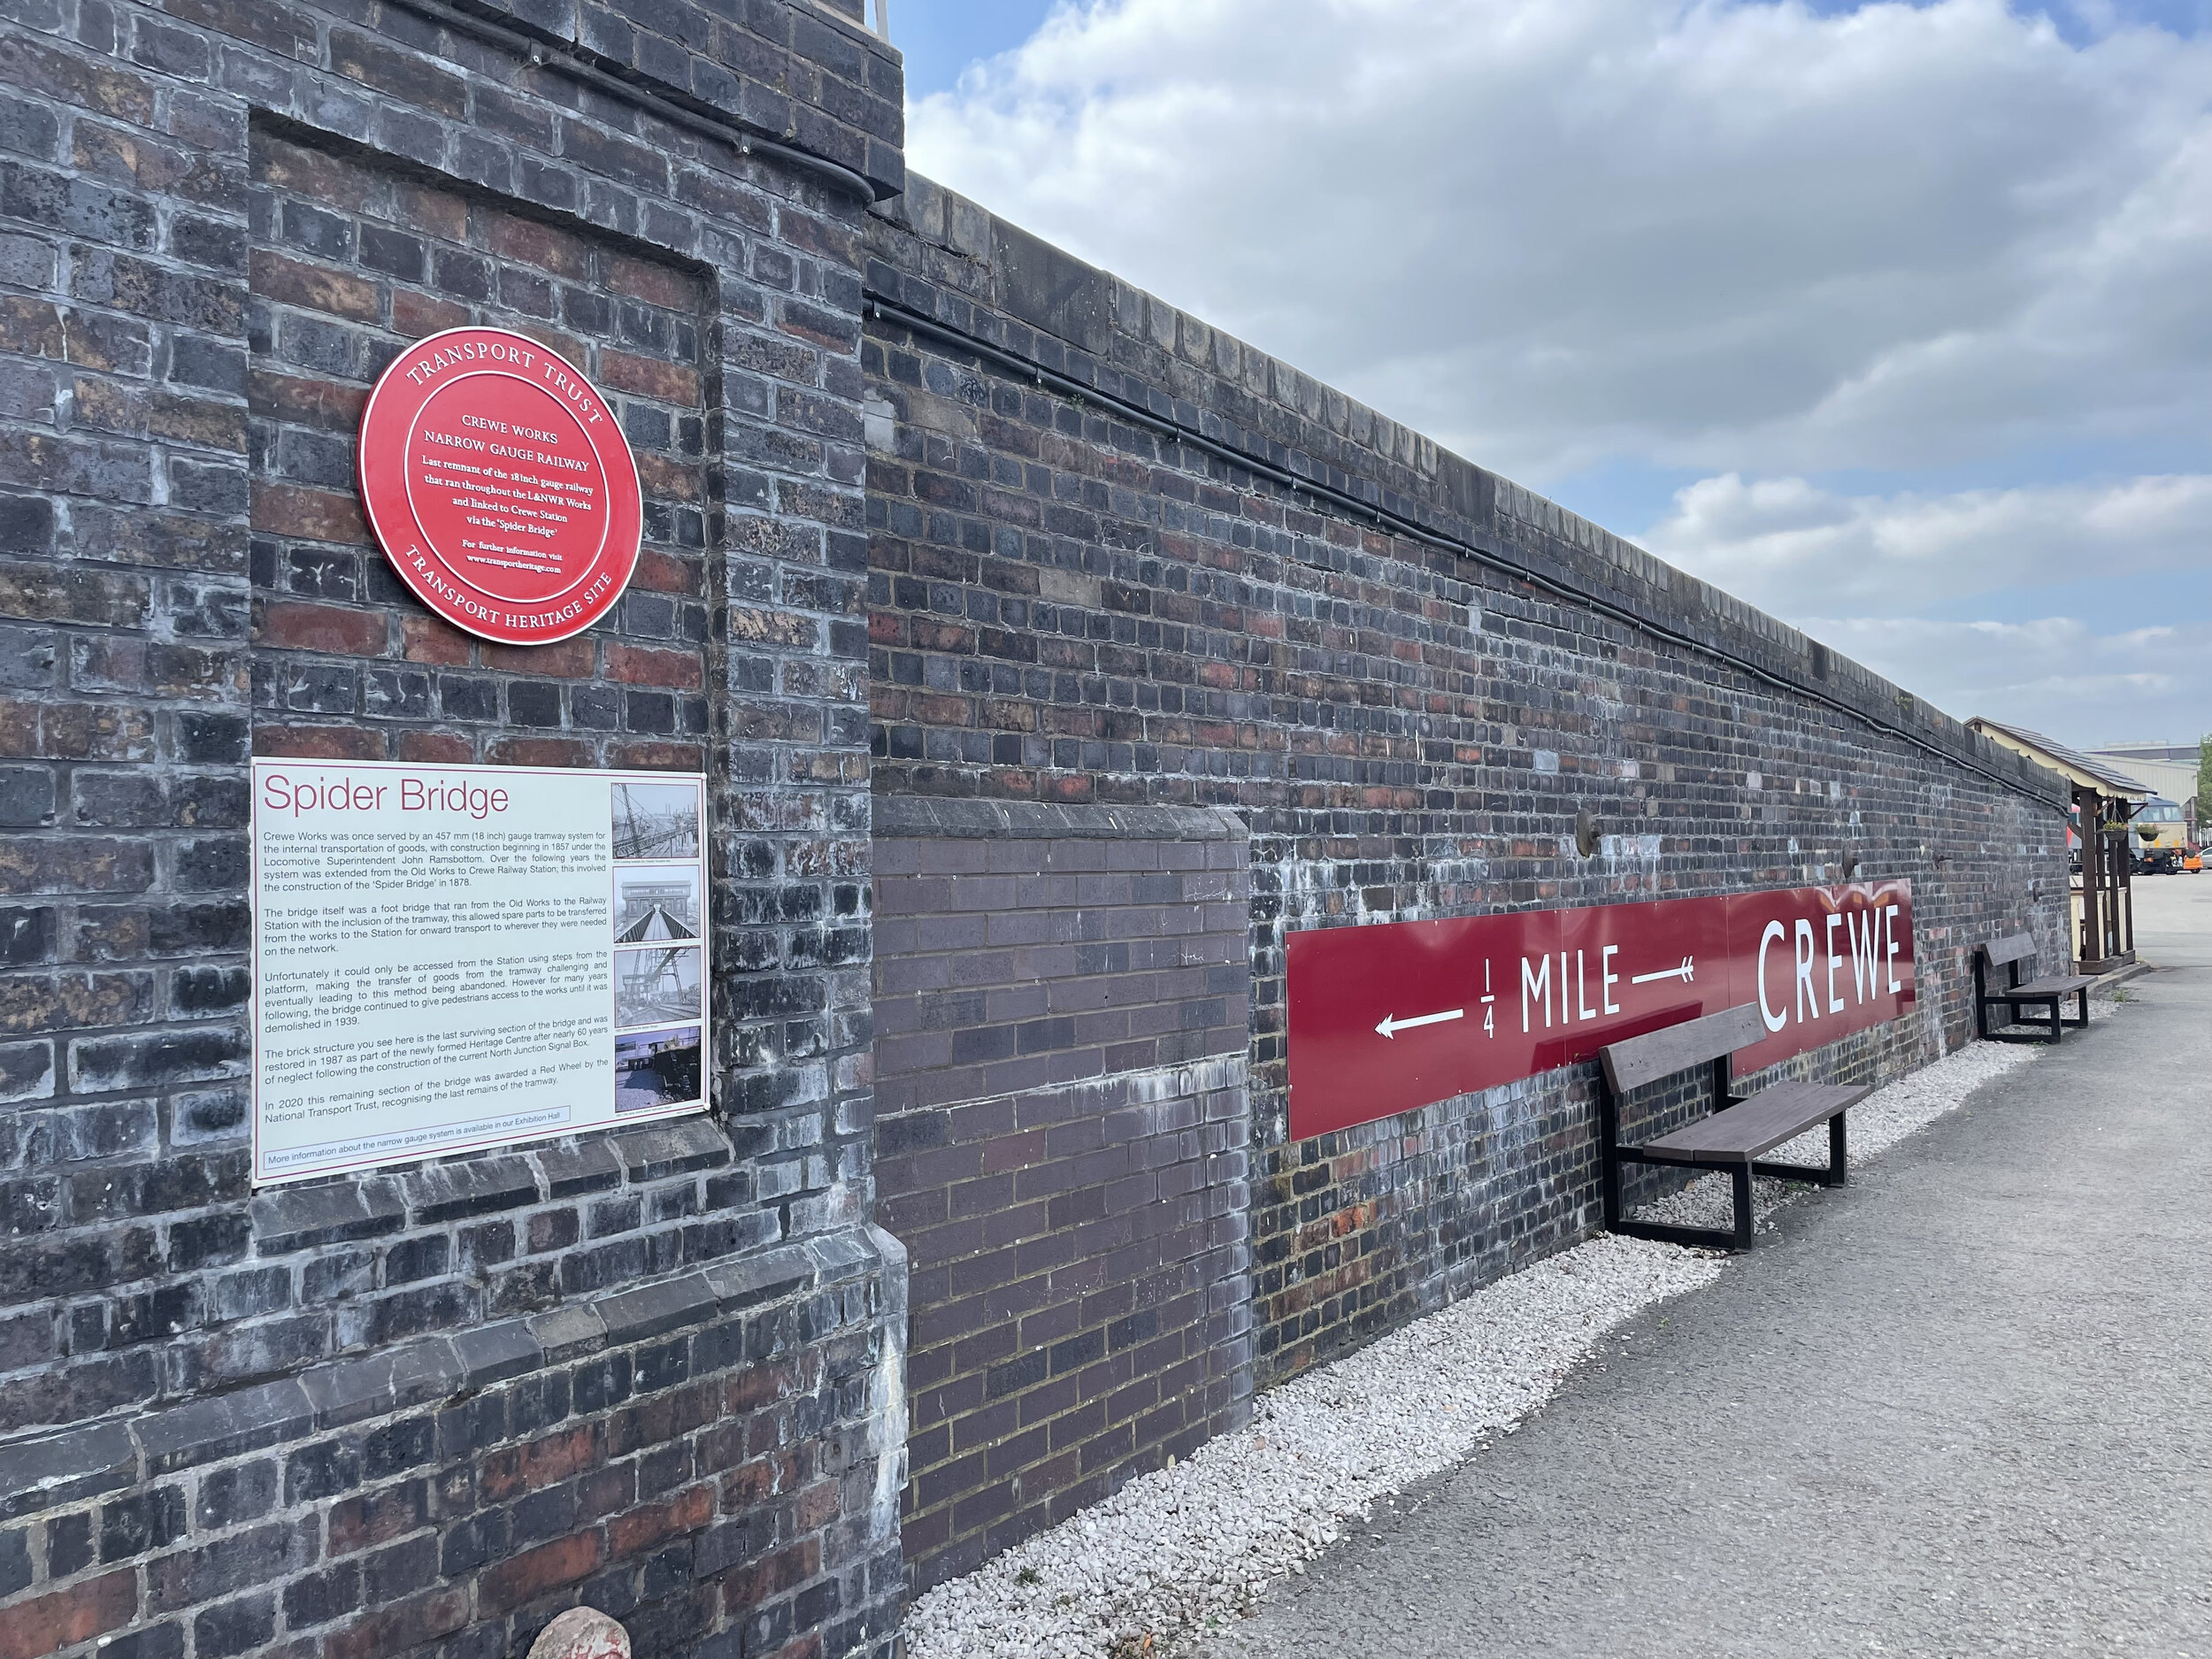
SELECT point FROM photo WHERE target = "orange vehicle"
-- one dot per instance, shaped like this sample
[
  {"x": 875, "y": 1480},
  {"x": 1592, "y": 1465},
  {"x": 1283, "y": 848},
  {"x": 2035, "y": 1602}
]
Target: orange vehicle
[{"x": 2193, "y": 860}]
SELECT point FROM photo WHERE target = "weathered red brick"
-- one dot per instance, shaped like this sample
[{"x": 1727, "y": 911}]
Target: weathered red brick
[
  {"x": 664, "y": 574},
  {"x": 648, "y": 377},
  {"x": 537, "y": 1572},
  {"x": 665, "y": 478},
  {"x": 377, "y": 1517},
  {"x": 315, "y": 287},
  {"x": 659, "y": 757},
  {"x": 319, "y": 742},
  {"x": 402, "y": 1625},
  {"x": 654, "y": 283},
  {"x": 63, "y": 1619},
  {"x": 564, "y": 659},
  {"x": 426, "y": 639},
  {"x": 320, "y": 515},
  {"x": 415, "y": 315},
  {"x": 443, "y": 748},
  {"x": 541, "y": 751},
  {"x": 636, "y": 666},
  {"x": 538, "y": 245},
  {"x": 644, "y": 1529},
  {"x": 745, "y": 1587},
  {"x": 295, "y": 625},
  {"x": 331, "y": 405},
  {"x": 519, "y": 1468}
]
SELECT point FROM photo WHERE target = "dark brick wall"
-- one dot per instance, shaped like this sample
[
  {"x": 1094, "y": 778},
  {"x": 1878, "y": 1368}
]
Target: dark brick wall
[
  {"x": 350, "y": 259},
  {"x": 218, "y": 221},
  {"x": 1061, "y": 1001},
  {"x": 1068, "y": 604}
]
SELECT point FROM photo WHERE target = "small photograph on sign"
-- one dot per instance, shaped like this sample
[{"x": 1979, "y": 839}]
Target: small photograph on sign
[
  {"x": 654, "y": 986},
  {"x": 656, "y": 820},
  {"x": 651, "y": 905},
  {"x": 657, "y": 1069}
]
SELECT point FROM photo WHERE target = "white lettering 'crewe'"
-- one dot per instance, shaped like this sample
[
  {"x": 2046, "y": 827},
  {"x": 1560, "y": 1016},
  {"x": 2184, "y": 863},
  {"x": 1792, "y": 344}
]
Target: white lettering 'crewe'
[
  {"x": 1835, "y": 964},
  {"x": 1889, "y": 931},
  {"x": 1608, "y": 979},
  {"x": 1537, "y": 984},
  {"x": 1808, "y": 1004},
  {"x": 1861, "y": 925},
  {"x": 1775, "y": 934}
]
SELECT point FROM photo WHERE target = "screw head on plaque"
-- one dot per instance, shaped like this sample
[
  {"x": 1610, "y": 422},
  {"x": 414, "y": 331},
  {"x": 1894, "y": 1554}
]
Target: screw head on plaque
[{"x": 499, "y": 484}]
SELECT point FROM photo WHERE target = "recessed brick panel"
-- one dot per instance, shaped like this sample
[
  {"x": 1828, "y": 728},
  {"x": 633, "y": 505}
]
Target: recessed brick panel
[{"x": 1061, "y": 1003}]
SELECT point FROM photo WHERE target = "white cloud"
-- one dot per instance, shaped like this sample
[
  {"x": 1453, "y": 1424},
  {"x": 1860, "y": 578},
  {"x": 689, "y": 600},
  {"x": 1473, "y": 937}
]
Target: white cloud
[
  {"x": 1796, "y": 549},
  {"x": 1731, "y": 238},
  {"x": 1714, "y": 235},
  {"x": 2057, "y": 675}
]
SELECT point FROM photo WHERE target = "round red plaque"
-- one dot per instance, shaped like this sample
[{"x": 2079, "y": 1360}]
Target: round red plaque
[{"x": 500, "y": 486}]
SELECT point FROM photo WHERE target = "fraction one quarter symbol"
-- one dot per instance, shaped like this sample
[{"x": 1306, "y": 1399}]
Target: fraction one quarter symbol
[{"x": 499, "y": 484}]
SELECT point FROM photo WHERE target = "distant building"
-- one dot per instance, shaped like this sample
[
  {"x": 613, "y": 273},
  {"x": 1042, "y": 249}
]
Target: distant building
[{"x": 2167, "y": 769}]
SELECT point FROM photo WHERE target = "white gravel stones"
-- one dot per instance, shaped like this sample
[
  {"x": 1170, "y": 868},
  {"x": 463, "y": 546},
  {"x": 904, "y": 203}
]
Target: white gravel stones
[
  {"x": 1203, "y": 1538},
  {"x": 1131, "y": 1576}
]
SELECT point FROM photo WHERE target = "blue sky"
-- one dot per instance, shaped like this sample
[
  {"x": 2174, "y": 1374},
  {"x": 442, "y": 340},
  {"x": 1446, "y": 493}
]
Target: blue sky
[
  {"x": 943, "y": 37},
  {"x": 1896, "y": 320}
]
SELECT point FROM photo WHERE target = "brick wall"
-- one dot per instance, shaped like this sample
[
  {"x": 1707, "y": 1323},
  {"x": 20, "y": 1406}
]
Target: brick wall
[
  {"x": 421, "y": 1411},
  {"x": 1061, "y": 1001},
  {"x": 1103, "y": 571}
]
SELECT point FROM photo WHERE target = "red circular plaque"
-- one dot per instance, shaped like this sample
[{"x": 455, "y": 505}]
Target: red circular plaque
[{"x": 500, "y": 486}]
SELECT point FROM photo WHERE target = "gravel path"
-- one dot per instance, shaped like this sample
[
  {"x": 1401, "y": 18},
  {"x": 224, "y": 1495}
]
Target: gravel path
[{"x": 1183, "y": 1551}]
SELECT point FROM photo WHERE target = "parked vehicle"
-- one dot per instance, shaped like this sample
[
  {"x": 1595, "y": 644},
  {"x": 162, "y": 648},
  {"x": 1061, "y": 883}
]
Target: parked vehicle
[
  {"x": 2161, "y": 833},
  {"x": 2192, "y": 859}
]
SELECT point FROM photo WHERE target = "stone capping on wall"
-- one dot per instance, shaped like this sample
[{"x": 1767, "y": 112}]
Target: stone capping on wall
[
  {"x": 806, "y": 73},
  {"x": 69, "y": 1465},
  {"x": 1097, "y": 331},
  {"x": 957, "y": 817}
]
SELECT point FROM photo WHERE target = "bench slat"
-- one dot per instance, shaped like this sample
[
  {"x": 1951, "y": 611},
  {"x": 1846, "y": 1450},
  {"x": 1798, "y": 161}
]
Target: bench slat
[
  {"x": 2016, "y": 948},
  {"x": 1645, "y": 1059},
  {"x": 2041, "y": 988},
  {"x": 1758, "y": 1125}
]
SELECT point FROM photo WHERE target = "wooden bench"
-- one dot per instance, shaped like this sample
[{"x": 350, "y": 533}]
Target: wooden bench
[
  {"x": 2052, "y": 993},
  {"x": 1738, "y": 1131}
]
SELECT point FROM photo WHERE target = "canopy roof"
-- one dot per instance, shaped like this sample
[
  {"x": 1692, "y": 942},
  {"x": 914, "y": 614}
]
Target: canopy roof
[{"x": 2091, "y": 771}]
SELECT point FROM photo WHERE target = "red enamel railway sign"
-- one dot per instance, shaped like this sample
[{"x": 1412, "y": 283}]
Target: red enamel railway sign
[
  {"x": 1387, "y": 1018},
  {"x": 500, "y": 486}
]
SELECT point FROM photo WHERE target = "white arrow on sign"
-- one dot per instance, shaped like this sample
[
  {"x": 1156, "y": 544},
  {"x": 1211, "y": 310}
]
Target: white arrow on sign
[
  {"x": 1391, "y": 1025},
  {"x": 1686, "y": 974}
]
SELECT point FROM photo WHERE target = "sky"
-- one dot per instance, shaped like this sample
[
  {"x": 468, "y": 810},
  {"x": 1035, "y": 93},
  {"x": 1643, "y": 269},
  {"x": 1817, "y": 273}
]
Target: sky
[{"x": 1894, "y": 320}]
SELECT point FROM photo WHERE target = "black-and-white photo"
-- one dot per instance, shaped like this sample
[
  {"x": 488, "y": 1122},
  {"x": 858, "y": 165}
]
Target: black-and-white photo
[
  {"x": 654, "y": 905},
  {"x": 656, "y": 820},
  {"x": 657, "y": 985},
  {"x": 656, "y": 1068}
]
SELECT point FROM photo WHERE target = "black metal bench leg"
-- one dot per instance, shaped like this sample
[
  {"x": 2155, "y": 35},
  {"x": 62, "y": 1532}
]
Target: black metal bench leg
[
  {"x": 2083, "y": 995},
  {"x": 1839, "y": 1158},
  {"x": 1741, "y": 1175}
]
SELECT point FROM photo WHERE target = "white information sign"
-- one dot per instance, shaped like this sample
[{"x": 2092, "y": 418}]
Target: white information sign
[{"x": 448, "y": 957}]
